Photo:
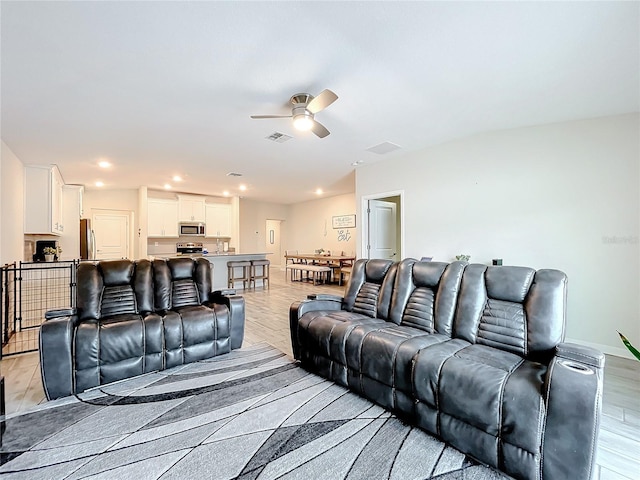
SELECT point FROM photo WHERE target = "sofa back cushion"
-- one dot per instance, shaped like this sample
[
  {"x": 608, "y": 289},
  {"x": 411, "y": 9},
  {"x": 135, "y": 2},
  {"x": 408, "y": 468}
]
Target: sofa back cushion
[
  {"x": 370, "y": 287},
  {"x": 181, "y": 282},
  {"x": 515, "y": 309},
  {"x": 113, "y": 287},
  {"x": 425, "y": 295}
]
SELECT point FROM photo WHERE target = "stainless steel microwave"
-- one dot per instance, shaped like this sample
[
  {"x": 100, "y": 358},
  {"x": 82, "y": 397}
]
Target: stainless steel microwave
[{"x": 191, "y": 229}]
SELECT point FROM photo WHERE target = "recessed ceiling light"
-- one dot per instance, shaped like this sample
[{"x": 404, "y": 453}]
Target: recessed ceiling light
[
  {"x": 104, "y": 164},
  {"x": 243, "y": 187},
  {"x": 319, "y": 191},
  {"x": 177, "y": 178},
  {"x": 99, "y": 184},
  {"x": 225, "y": 193},
  {"x": 167, "y": 186}
]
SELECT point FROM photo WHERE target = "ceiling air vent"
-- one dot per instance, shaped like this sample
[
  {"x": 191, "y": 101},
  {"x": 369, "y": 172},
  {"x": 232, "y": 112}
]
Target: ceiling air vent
[
  {"x": 279, "y": 137},
  {"x": 384, "y": 147},
  {"x": 234, "y": 174}
]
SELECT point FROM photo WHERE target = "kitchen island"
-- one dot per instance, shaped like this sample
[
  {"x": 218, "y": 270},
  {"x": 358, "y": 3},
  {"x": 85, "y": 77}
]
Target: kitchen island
[{"x": 219, "y": 263}]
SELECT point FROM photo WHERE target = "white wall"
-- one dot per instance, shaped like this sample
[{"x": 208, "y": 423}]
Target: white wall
[
  {"x": 309, "y": 225},
  {"x": 11, "y": 207},
  {"x": 559, "y": 196},
  {"x": 253, "y": 218}
]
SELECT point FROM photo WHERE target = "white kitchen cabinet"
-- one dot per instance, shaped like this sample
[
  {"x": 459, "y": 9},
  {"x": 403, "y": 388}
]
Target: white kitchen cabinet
[
  {"x": 43, "y": 200},
  {"x": 218, "y": 219},
  {"x": 162, "y": 218},
  {"x": 192, "y": 208}
]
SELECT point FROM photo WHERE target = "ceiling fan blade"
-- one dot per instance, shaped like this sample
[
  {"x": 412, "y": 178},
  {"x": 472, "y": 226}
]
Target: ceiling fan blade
[
  {"x": 322, "y": 101},
  {"x": 258, "y": 117},
  {"x": 319, "y": 129}
]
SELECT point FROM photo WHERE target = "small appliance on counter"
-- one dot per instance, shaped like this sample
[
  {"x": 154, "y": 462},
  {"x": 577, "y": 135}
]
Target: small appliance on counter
[
  {"x": 193, "y": 249},
  {"x": 40, "y": 246}
]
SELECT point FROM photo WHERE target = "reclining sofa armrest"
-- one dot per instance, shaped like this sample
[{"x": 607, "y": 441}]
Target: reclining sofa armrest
[
  {"x": 235, "y": 304},
  {"x": 325, "y": 296},
  {"x": 581, "y": 354},
  {"x": 298, "y": 309},
  {"x": 56, "y": 360},
  {"x": 573, "y": 383},
  {"x": 225, "y": 292},
  {"x": 63, "y": 312}
]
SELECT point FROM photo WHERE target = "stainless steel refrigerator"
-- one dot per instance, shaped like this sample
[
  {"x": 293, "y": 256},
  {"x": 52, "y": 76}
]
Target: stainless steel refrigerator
[{"x": 87, "y": 240}]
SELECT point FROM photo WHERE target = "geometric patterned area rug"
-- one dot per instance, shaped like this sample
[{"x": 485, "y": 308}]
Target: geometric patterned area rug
[{"x": 250, "y": 414}]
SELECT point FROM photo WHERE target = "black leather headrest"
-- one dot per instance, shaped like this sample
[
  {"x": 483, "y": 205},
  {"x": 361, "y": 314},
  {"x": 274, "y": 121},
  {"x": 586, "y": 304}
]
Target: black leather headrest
[
  {"x": 376, "y": 269},
  {"x": 509, "y": 283},
  {"x": 428, "y": 274},
  {"x": 181, "y": 268},
  {"x": 116, "y": 272}
]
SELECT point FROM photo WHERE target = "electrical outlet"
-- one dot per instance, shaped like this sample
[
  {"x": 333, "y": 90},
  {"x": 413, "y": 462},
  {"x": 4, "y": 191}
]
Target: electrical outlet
[{"x": 155, "y": 244}]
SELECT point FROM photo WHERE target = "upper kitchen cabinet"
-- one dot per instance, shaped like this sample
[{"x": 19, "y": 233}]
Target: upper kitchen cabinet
[
  {"x": 191, "y": 208},
  {"x": 162, "y": 218},
  {"x": 218, "y": 219},
  {"x": 43, "y": 200}
]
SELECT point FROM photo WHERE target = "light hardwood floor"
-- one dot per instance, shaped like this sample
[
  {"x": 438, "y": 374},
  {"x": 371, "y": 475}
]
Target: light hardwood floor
[{"x": 267, "y": 320}]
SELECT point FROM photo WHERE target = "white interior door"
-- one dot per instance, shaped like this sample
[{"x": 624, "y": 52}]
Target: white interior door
[
  {"x": 111, "y": 230},
  {"x": 382, "y": 230},
  {"x": 273, "y": 242}
]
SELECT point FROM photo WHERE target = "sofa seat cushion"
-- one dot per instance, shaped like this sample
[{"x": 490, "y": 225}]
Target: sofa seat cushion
[
  {"x": 491, "y": 401},
  {"x": 380, "y": 359},
  {"x": 195, "y": 332},
  {"x": 117, "y": 347},
  {"x": 322, "y": 336},
  {"x": 387, "y": 354}
]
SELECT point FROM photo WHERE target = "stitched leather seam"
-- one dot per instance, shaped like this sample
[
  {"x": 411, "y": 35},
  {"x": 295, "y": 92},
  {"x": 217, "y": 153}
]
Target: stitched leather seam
[
  {"x": 594, "y": 432},
  {"x": 546, "y": 417},
  {"x": 144, "y": 345},
  {"x": 499, "y": 453},
  {"x": 99, "y": 328},
  {"x": 73, "y": 355}
]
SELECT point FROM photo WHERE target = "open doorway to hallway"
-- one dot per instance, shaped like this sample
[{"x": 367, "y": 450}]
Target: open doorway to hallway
[
  {"x": 382, "y": 229},
  {"x": 273, "y": 242}
]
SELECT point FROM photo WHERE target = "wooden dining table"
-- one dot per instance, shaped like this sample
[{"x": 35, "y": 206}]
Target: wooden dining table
[
  {"x": 319, "y": 259},
  {"x": 335, "y": 262}
]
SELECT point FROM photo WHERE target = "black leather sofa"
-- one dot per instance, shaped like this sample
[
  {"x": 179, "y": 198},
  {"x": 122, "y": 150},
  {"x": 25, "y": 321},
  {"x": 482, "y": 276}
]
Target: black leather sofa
[
  {"x": 470, "y": 353},
  {"x": 135, "y": 317}
]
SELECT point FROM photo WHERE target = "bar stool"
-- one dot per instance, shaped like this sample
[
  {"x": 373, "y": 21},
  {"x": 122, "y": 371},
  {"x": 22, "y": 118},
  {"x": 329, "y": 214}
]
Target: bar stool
[
  {"x": 264, "y": 276},
  {"x": 231, "y": 273}
]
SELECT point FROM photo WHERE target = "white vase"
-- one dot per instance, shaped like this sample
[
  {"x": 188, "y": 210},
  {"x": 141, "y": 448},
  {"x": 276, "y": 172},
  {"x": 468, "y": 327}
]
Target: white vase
[{"x": 48, "y": 257}]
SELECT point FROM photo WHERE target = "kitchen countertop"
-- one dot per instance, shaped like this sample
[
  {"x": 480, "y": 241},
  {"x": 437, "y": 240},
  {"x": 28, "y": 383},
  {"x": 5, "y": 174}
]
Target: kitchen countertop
[{"x": 232, "y": 254}]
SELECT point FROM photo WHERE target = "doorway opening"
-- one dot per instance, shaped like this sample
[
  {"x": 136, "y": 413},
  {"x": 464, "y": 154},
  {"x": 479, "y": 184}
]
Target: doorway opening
[
  {"x": 383, "y": 226},
  {"x": 273, "y": 242}
]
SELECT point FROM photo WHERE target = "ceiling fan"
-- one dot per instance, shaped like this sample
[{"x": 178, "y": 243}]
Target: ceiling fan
[{"x": 305, "y": 106}]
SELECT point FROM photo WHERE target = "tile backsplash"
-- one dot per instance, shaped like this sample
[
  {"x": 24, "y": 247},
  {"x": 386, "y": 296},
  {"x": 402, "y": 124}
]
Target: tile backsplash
[{"x": 167, "y": 246}]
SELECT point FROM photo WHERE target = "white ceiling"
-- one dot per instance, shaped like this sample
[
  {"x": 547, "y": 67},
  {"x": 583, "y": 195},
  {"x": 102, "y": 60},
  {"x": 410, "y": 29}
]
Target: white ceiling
[{"x": 164, "y": 88}]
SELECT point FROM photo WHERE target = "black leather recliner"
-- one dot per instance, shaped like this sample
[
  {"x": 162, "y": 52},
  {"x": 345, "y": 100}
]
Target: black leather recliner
[
  {"x": 133, "y": 318},
  {"x": 471, "y": 353}
]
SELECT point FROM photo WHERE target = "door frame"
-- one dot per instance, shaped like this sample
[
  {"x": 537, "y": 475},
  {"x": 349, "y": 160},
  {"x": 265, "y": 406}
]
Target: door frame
[
  {"x": 364, "y": 231},
  {"x": 122, "y": 213}
]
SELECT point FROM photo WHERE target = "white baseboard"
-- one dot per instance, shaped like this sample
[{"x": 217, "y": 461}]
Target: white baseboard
[{"x": 607, "y": 349}]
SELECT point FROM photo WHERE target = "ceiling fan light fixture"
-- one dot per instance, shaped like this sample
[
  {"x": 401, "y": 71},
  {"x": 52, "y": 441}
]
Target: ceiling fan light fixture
[{"x": 303, "y": 122}]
